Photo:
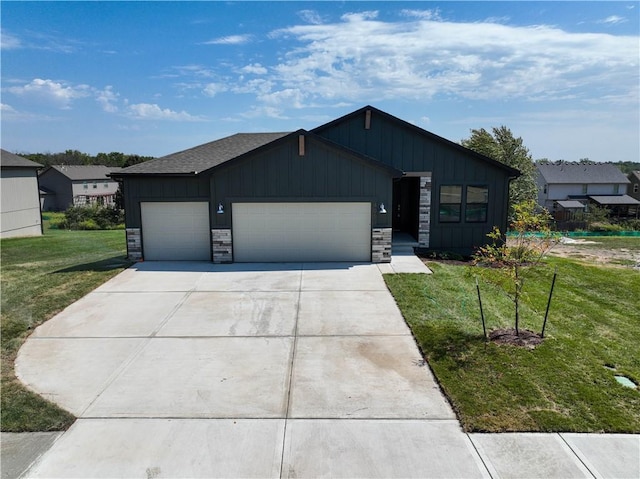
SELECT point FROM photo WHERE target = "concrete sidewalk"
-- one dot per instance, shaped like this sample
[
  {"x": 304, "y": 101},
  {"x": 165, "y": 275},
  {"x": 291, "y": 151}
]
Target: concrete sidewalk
[
  {"x": 521, "y": 455},
  {"x": 296, "y": 370}
]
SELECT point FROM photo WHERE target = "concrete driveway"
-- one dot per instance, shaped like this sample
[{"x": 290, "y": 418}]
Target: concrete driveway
[
  {"x": 254, "y": 370},
  {"x": 291, "y": 370}
]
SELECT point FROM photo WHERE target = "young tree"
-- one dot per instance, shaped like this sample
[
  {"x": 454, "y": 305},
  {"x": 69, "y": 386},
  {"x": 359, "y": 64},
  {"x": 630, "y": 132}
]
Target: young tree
[
  {"x": 505, "y": 263},
  {"x": 502, "y": 146}
]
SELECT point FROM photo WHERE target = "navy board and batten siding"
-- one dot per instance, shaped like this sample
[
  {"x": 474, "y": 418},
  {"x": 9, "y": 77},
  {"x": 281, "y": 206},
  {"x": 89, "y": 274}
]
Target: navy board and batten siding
[
  {"x": 408, "y": 148},
  {"x": 321, "y": 174}
]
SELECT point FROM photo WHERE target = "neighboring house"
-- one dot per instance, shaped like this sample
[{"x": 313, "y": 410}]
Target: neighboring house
[
  {"x": 76, "y": 185},
  {"x": 634, "y": 185},
  {"x": 20, "y": 204},
  {"x": 569, "y": 187},
  {"x": 335, "y": 193}
]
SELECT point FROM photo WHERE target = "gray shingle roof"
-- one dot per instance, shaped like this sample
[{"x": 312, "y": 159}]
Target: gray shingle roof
[
  {"x": 615, "y": 200},
  {"x": 85, "y": 172},
  {"x": 203, "y": 157},
  {"x": 8, "y": 159},
  {"x": 571, "y": 173}
]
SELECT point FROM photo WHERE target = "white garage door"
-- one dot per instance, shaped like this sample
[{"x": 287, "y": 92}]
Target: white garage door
[
  {"x": 175, "y": 231},
  {"x": 301, "y": 232}
]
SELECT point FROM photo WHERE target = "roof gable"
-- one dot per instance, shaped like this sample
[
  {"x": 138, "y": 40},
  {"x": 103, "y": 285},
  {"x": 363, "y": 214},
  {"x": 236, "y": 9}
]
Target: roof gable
[
  {"x": 312, "y": 137},
  {"x": 10, "y": 160},
  {"x": 362, "y": 113},
  {"x": 572, "y": 173}
]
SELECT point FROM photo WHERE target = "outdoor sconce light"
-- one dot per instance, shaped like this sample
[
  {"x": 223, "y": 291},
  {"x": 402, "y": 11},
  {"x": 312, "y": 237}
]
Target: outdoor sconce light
[
  {"x": 220, "y": 209},
  {"x": 382, "y": 210}
]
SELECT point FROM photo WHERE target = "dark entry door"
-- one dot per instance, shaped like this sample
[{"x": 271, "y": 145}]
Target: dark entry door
[{"x": 406, "y": 202}]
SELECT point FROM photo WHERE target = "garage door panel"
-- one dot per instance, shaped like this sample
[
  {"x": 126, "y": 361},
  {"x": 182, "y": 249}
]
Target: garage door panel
[
  {"x": 301, "y": 232},
  {"x": 177, "y": 231}
]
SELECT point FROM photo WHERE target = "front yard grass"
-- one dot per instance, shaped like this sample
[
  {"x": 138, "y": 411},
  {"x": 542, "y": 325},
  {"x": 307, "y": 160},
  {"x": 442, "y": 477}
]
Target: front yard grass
[
  {"x": 566, "y": 383},
  {"x": 40, "y": 277}
]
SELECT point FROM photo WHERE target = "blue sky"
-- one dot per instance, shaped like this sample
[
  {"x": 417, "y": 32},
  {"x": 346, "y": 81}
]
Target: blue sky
[{"x": 153, "y": 78}]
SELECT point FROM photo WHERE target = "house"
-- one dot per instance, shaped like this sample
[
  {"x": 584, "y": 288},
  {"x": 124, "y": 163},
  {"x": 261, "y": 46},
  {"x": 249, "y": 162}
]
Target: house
[
  {"x": 634, "y": 185},
  {"x": 20, "y": 204},
  {"x": 569, "y": 187},
  {"x": 77, "y": 185},
  {"x": 336, "y": 193}
]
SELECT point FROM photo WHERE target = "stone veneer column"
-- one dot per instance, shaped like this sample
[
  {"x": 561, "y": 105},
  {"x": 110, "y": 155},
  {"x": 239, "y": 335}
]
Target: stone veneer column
[
  {"x": 134, "y": 244},
  {"x": 424, "y": 222},
  {"x": 381, "y": 245},
  {"x": 221, "y": 246}
]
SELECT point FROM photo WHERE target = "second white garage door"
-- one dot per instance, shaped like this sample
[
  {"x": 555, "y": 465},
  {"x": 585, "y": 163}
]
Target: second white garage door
[
  {"x": 175, "y": 231},
  {"x": 301, "y": 232}
]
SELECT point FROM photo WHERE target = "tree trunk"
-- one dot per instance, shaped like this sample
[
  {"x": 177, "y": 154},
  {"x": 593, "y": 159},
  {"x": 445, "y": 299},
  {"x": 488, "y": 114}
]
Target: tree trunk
[{"x": 517, "y": 300}]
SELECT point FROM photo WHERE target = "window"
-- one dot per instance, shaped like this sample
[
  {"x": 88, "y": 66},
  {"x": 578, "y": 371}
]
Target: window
[
  {"x": 477, "y": 204},
  {"x": 450, "y": 203},
  {"x": 584, "y": 189},
  {"x": 616, "y": 189},
  {"x": 85, "y": 185},
  {"x": 95, "y": 184},
  {"x": 106, "y": 184},
  {"x": 635, "y": 188},
  {"x": 545, "y": 189}
]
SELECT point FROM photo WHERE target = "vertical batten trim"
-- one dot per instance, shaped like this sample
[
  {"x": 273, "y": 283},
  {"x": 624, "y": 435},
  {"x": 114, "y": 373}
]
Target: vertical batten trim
[
  {"x": 301, "y": 145},
  {"x": 367, "y": 120}
]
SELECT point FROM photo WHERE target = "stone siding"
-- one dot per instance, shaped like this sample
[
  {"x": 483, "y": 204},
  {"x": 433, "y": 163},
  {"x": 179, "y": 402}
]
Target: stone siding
[
  {"x": 381, "y": 245},
  {"x": 134, "y": 244},
  {"x": 222, "y": 246},
  {"x": 424, "y": 221}
]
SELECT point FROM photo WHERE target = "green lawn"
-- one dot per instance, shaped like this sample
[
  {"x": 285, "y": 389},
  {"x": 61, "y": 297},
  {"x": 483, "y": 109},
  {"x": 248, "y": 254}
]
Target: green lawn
[
  {"x": 40, "y": 277},
  {"x": 563, "y": 384}
]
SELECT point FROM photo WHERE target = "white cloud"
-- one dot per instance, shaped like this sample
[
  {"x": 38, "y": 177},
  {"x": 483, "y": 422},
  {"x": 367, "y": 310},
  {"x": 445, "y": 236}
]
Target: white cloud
[
  {"x": 107, "y": 99},
  {"x": 148, "y": 111},
  {"x": 11, "y": 114},
  {"x": 422, "y": 14},
  {"x": 255, "y": 69},
  {"x": 51, "y": 92},
  {"x": 613, "y": 20},
  {"x": 310, "y": 16},
  {"x": 8, "y": 41},
  {"x": 361, "y": 58},
  {"x": 230, "y": 40},
  {"x": 212, "y": 89}
]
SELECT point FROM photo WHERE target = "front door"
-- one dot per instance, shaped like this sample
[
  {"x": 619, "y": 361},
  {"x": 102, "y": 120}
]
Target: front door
[{"x": 406, "y": 203}]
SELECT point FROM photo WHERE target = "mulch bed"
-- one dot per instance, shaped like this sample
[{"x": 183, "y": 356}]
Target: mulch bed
[{"x": 526, "y": 338}]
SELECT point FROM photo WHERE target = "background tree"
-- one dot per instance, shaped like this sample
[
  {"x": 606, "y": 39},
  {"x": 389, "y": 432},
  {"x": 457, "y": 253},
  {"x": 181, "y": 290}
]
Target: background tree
[{"x": 502, "y": 146}]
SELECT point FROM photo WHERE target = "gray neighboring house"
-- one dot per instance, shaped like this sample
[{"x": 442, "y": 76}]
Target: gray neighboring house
[
  {"x": 634, "y": 185},
  {"x": 20, "y": 203},
  {"x": 340, "y": 192},
  {"x": 77, "y": 185},
  {"x": 569, "y": 187}
]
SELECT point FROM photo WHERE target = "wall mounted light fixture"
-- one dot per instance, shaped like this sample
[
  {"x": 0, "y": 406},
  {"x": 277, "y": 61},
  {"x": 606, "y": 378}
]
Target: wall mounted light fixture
[
  {"x": 382, "y": 210},
  {"x": 220, "y": 209}
]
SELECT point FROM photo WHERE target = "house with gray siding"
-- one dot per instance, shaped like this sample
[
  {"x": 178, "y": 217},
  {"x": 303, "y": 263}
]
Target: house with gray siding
[
  {"x": 634, "y": 185},
  {"x": 19, "y": 202},
  {"x": 568, "y": 187},
  {"x": 338, "y": 192},
  {"x": 77, "y": 185}
]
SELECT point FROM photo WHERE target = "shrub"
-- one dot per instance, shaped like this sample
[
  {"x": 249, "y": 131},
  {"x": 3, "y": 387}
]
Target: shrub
[
  {"x": 631, "y": 225},
  {"x": 92, "y": 218},
  {"x": 605, "y": 227}
]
